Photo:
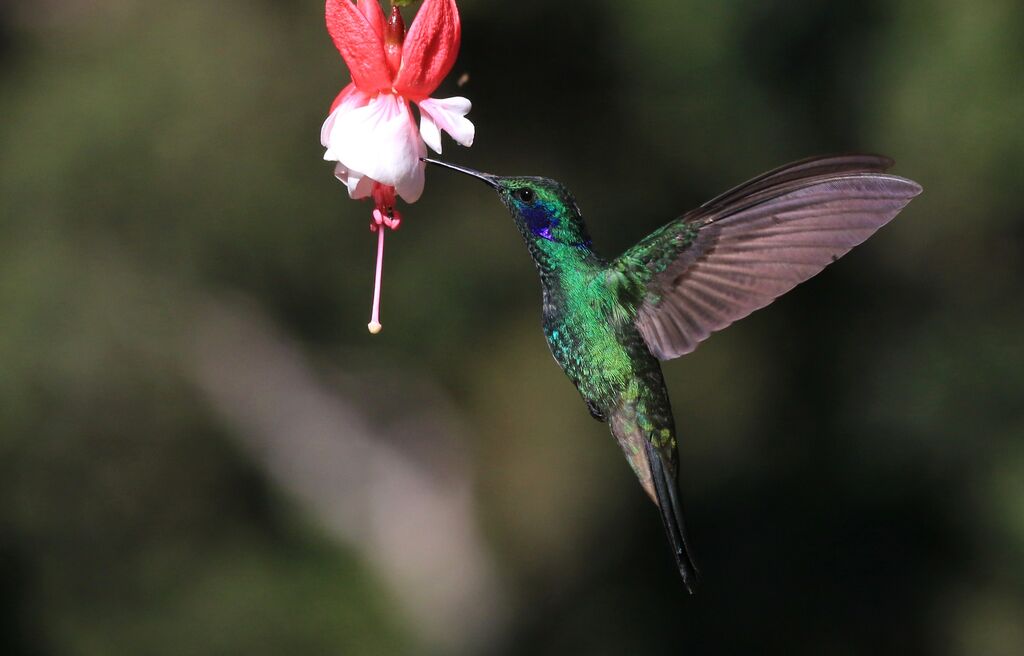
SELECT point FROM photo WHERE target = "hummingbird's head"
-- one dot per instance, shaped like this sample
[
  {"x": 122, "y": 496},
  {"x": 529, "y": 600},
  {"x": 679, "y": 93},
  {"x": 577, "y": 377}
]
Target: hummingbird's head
[{"x": 544, "y": 210}]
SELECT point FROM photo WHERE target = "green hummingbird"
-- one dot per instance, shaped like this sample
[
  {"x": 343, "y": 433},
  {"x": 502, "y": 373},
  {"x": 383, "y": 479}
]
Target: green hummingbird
[{"x": 610, "y": 323}]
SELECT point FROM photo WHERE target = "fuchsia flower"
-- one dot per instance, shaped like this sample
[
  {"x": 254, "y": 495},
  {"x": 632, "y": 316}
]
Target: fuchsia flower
[{"x": 371, "y": 132}]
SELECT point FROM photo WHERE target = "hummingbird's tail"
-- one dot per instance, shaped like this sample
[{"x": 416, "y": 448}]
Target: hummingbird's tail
[{"x": 666, "y": 489}]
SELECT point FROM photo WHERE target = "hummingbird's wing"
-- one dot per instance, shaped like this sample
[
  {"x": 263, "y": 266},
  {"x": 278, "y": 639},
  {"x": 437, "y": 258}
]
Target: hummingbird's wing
[{"x": 742, "y": 250}]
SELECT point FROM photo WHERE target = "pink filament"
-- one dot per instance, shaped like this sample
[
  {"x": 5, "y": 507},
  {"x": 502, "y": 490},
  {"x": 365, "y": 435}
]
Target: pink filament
[
  {"x": 384, "y": 216},
  {"x": 374, "y": 324}
]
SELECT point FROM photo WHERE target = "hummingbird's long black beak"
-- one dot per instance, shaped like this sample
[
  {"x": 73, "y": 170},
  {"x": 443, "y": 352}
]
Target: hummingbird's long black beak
[{"x": 486, "y": 177}]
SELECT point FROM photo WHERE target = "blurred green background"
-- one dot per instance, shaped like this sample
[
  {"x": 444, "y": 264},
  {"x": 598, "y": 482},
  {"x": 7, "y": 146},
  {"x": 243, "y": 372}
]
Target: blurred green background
[{"x": 202, "y": 451}]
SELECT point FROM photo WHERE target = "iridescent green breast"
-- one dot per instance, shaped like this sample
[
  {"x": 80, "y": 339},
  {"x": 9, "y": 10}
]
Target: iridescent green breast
[{"x": 585, "y": 336}]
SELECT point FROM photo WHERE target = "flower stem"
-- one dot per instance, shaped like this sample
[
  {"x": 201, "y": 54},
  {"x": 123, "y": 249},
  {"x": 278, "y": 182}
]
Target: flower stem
[{"x": 374, "y": 326}]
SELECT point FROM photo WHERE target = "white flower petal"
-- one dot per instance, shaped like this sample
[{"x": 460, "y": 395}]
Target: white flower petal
[
  {"x": 325, "y": 130},
  {"x": 449, "y": 114},
  {"x": 349, "y": 99},
  {"x": 380, "y": 141},
  {"x": 411, "y": 187},
  {"x": 359, "y": 186},
  {"x": 429, "y": 132}
]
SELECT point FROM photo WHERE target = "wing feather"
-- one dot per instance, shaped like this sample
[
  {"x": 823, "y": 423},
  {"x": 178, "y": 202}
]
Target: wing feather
[
  {"x": 811, "y": 167},
  {"x": 742, "y": 250}
]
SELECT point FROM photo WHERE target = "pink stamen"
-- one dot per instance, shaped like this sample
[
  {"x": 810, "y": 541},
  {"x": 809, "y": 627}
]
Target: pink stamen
[
  {"x": 374, "y": 325},
  {"x": 384, "y": 216}
]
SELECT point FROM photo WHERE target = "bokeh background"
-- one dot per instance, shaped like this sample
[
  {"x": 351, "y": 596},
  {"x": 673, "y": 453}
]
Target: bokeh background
[{"x": 202, "y": 451}]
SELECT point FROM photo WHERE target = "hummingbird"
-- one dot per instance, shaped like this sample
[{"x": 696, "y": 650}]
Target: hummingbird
[{"x": 609, "y": 324}]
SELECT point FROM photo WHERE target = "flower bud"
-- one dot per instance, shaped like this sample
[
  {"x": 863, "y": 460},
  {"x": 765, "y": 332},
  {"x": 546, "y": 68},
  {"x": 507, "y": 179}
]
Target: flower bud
[{"x": 394, "y": 36}]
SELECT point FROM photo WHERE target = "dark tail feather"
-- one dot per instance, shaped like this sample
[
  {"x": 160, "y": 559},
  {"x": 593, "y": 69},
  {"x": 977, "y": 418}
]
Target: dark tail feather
[{"x": 666, "y": 489}]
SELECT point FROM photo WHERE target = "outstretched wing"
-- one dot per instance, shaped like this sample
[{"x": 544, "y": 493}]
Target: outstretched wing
[{"x": 742, "y": 250}]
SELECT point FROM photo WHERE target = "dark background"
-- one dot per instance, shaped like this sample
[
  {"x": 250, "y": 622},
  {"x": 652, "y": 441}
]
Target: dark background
[{"x": 202, "y": 451}]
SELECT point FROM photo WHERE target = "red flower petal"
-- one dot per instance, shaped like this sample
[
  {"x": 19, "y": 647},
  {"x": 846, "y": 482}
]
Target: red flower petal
[
  {"x": 359, "y": 44},
  {"x": 346, "y": 93},
  {"x": 430, "y": 49},
  {"x": 374, "y": 15}
]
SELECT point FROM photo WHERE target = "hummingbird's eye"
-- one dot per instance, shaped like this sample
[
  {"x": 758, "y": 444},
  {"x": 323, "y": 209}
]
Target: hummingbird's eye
[{"x": 524, "y": 194}]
